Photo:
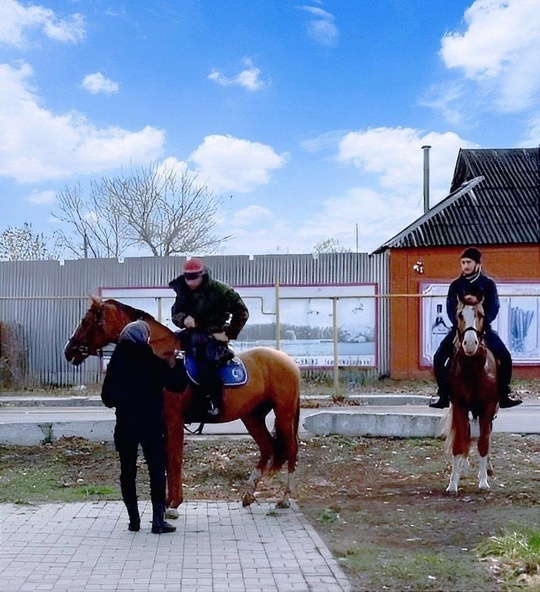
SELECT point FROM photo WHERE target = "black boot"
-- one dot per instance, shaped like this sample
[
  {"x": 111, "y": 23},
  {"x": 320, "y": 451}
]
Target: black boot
[
  {"x": 134, "y": 517},
  {"x": 505, "y": 402},
  {"x": 442, "y": 402},
  {"x": 159, "y": 526}
]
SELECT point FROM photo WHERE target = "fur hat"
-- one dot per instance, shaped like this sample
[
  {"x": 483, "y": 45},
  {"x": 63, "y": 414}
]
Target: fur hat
[
  {"x": 471, "y": 253},
  {"x": 194, "y": 265},
  {"x": 136, "y": 332}
]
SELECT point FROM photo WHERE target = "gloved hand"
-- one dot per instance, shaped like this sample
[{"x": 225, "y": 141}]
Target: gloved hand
[
  {"x": 221, "y": 337},
  {"x": 189, "y": 323}
]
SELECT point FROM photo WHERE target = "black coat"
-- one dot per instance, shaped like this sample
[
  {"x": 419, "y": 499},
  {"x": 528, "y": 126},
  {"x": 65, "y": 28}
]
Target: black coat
[
  {"x": 134, "y": 385},
  {"x": 483, "y": 287},
  {"x": 211, "y": 305}
]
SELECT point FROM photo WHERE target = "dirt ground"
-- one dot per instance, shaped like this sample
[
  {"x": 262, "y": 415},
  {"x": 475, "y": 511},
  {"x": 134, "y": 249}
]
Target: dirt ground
[{"x": 379, "y": 503}]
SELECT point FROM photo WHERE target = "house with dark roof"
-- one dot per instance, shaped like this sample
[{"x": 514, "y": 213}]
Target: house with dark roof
[{"x": 494, "y": 204}]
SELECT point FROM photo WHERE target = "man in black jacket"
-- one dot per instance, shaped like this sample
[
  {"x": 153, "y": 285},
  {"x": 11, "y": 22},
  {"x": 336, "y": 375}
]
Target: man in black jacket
[
  {"x": 212, "y": 313},
  {"x": 134, "y": 385},
  {"x": 473, "y": 281}
]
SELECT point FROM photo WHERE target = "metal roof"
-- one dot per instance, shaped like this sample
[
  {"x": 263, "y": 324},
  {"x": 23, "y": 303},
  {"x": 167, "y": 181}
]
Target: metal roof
[{"x": 494, "y": 200}]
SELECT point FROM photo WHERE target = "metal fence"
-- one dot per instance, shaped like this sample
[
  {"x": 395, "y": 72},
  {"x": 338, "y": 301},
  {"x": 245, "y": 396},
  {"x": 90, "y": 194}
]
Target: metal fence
[{"x": 41, "y": 302}]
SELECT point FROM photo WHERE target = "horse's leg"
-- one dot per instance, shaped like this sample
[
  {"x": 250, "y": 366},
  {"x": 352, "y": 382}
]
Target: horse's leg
[
  {"x": 286, "y": 447},
  {"x": 256, "y": 426},
  {"x": 483, "y": 451},
  {"x": 457, "y": 461},
  {"x": 174, "y": 434},
  {"x": 460, "y": 445}
]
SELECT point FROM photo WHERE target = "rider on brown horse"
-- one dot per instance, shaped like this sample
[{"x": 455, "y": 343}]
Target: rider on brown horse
[
  {"x": 203, "y": 307},
  {"x": 473, "y": 281}
]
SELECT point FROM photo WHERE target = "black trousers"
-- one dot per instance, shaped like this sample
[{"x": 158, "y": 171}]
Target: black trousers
[
  {"x": 443, "y": 359},
  {"x": 153, "y": 447}
]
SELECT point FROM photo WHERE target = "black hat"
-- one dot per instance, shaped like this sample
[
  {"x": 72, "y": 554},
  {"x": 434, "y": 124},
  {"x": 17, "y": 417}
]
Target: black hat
[{"x": 472, "y": 253}]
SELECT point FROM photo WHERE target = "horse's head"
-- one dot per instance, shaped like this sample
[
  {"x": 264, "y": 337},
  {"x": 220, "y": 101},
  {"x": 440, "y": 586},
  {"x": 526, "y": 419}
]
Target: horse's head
[
  {"x": 101, "y": 325},
  {"x": 470, "y": 324}
]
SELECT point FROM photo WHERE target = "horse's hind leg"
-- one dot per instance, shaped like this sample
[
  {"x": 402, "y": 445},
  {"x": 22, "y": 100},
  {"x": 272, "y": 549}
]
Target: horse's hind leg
[
  {"x": 286, "y": 448},
  {"x": 256, "y": 426}
]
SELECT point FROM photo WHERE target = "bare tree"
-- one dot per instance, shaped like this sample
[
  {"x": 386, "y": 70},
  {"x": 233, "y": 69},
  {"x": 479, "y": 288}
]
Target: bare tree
[
  {"x": 154, "y": 207},
  {"x": 22, "y": 244},
  {"x": 96, "y": 229},
  {"x": 330, "y": 245}
]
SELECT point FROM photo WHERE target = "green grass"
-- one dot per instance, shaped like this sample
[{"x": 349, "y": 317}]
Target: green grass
[
  {"x": 39, "y": 485},
  {"x": 414, "y": 570},
  {"x": 515, "y": 557}
]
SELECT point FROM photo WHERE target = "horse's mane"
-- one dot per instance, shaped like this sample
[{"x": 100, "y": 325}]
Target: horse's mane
[{"x": 129, "y": 310}]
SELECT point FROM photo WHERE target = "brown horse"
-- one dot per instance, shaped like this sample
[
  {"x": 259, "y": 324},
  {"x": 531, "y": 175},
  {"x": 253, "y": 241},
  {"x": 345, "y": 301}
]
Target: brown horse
[
  {"x": 273, "y": 385},
  {"x": 475, "y": 397}
]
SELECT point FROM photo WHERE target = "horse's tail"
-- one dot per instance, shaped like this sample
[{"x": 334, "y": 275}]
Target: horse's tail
[
  {"x": 287, "y": 412},
  {"x": 446, "y": 430},
  {"x": 286, "y": 445},
  {"x": 457, "y": 430}
]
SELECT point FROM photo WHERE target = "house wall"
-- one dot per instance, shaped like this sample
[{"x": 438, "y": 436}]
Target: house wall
[{"x": 520, "y": 263}]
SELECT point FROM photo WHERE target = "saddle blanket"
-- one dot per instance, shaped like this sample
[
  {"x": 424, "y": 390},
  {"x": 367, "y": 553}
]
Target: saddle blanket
[{"x": 233, "y": 373}]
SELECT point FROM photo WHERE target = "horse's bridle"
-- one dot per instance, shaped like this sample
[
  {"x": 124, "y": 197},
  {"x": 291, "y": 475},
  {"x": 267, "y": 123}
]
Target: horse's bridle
[{"x": 479, "y": 334}]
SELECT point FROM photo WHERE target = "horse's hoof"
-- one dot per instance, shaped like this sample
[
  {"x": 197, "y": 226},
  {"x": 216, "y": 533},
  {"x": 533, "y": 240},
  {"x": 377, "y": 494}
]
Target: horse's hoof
[
  {"x": 247, "y": 499},
  {"x": 484, "y": 485},
  {"x": 451, "y": 489},
  {"x": 172, "y": 513}
]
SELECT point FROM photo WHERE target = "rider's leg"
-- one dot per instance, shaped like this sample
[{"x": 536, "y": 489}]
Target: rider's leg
[
  {"x": 212, "y": 388},
  {"x": 126, "y": 447},
  {"x": 153, "y": 446},
  {"x": 504, "y": 374},
  {"x": 441, "y": 368}
]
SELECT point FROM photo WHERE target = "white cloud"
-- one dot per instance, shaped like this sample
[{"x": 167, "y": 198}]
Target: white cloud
[
  {"x": 17, "y": 21},
  {"x": 38, "y": 145},
  {"x": 499, "y": 51},
  {"x": 247, "y": 78},
  {"x": 396, "y": 156},
  {"x": 322, "y": 28},
  {"x": 97, "y": 83},
  {"x": 531, "y": 136},
  {"x": 232, "y": 164},
  {"x": 448, "y": 98},
  {"x": 42, "y": 197},
  {"x": 390, "y": 158},
  {"x": 172, "y": 164}
]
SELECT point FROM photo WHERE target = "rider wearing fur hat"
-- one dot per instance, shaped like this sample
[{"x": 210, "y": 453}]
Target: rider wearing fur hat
[
  {"x": 212, "y": 314},
  {"x": 473, "y": 281}
]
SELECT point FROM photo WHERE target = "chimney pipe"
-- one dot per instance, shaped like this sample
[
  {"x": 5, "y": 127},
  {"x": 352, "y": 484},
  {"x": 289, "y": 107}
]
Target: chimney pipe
[{"x": 426, "y": 178}]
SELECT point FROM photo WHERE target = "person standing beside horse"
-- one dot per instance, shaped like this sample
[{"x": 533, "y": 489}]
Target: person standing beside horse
[
  {"x": 134, "y": 385},
  {"x": 212, "y": 314},
  {"x": 472, "y": 281}
]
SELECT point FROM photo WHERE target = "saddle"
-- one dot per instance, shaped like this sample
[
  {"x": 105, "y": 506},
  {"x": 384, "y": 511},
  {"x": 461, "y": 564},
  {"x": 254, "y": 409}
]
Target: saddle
[{"x": 232, "y": 373}]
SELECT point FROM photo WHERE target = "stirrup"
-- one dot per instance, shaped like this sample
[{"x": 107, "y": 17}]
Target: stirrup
[{"x": 212, "y": 410}]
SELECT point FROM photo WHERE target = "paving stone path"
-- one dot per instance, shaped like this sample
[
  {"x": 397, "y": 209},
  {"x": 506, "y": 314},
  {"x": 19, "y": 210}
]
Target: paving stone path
[{"x": 218, "y": 546}]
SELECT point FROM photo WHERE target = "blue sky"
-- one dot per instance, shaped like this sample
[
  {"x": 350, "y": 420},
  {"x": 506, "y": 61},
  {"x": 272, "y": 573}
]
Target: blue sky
[{"x": 308, "y": 118}]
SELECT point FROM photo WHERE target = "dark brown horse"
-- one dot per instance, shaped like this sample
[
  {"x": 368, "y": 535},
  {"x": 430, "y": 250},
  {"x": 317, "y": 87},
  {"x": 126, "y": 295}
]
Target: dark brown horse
[
  {"x": 273, "y": 385},
  {"x": 475, "y": 397}
]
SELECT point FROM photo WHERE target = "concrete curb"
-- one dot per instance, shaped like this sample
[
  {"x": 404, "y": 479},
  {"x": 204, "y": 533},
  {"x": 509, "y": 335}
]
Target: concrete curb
[{"x": 353, "y": 423}]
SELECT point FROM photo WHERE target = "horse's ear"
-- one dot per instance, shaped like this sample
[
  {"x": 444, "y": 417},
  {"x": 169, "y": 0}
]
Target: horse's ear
[{"x": 95, "y": 299}]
